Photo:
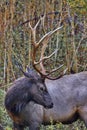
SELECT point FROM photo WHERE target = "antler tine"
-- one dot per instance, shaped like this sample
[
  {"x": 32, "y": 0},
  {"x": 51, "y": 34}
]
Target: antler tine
[
  {"x": 56, "y": 69},
  {"x": 33, "y": 29},
  {"x": 48, "y": 35},
  {"x": 46, "y": 57},
  {"x": 47, "y": 76},
  {"x": 44, "y": 40}
]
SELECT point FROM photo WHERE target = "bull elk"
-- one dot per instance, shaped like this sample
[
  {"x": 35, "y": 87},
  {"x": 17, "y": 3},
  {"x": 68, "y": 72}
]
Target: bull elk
[{"x": 28, "y": 98}]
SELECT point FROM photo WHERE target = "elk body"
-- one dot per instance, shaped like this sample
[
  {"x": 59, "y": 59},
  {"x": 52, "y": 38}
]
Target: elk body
[
  {"x": 69, "y": 96},
  {"x": 29, "y": 97}
]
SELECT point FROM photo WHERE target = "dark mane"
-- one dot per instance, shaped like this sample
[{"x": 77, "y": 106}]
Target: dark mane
[{"x": 17, "y": 96}]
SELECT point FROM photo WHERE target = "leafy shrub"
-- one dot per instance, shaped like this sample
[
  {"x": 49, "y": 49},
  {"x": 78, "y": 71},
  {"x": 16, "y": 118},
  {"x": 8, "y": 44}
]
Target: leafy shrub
[{"x": 4, "y": 118}]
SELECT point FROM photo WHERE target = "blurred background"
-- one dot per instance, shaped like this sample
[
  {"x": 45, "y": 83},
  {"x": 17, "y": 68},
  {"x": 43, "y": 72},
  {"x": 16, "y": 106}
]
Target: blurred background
[{"x": 16, "y": 42}]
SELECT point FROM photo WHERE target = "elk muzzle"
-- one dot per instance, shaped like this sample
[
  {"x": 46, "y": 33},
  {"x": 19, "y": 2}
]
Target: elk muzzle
[{"x": 47, "y": 100}]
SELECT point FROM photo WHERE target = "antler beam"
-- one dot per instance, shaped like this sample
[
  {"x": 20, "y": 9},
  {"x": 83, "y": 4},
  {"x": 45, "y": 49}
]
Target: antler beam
[{"x": 43, "y": 41}]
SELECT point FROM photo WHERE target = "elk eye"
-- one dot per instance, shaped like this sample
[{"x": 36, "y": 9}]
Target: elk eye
[{"x": 41, "y": 88}]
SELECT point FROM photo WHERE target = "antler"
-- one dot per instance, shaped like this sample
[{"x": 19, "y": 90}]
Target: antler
[{"x": 43, "y": 41}]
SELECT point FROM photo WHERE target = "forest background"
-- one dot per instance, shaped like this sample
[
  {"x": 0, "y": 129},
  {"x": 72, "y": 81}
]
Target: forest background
[{"x": 16, "y": 39}]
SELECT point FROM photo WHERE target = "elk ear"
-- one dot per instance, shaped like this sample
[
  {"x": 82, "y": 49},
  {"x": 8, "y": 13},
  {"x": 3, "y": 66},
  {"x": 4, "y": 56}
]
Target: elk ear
[
  {"x": 25, "y": 73},
  {"x": 30, "y": 73}
]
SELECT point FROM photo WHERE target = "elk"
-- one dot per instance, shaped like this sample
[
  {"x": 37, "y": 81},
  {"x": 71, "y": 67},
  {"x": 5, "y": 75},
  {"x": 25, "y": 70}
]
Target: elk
[{"x": 29, "y": 97}]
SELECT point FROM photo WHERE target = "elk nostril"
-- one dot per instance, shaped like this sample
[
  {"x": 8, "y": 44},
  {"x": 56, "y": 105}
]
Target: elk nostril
[{"x": 52, "y": 104}]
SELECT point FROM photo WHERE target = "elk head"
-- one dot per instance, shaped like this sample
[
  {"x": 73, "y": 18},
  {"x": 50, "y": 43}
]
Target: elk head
[
  {"x": 37, "y": 92},
  {"x": 31, "y": 87}
]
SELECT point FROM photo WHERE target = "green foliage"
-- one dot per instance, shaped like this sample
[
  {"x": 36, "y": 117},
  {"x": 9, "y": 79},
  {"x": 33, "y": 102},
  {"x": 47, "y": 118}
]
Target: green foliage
[
  {"x": 78, "y": 6},
  {"x": 16, "y": 39},
  {"x": 2, "y": 111},
  {"x": 4, "y": 118},
  {"x": 78, "y": 125}
]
